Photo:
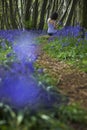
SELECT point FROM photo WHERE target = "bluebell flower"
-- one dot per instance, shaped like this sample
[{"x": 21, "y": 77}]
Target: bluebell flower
[
  {"x": 3, "y": 45},
  {"x": 18, "y": 83},
  {"x": 9, "y": 55},
  {"x": 41, "y": 70},
  {"x": 76, "y": 44}
]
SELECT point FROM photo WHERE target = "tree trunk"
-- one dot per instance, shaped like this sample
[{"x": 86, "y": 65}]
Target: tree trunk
[
  {"x": 84, "y": 15},
  {"x": 12, "y": 16},
  {"x": 42, "y": 15},
  {"x": 27, "y": 13},
  {"x": 49, "y": 8},
  {"x": 35, "y": 15},
  {"x": 70, "y": 14}
]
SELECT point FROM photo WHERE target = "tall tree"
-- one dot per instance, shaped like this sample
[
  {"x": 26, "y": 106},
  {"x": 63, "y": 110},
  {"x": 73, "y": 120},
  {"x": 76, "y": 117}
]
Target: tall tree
[
  {"x": 42, "y": 15},
  {"x": 84, "y": 14},
  {"x": 35, "y": 14},
  {"x": 2, "y": 15},
  {"x": 27, "y": 11},
  {"x": 12, "y": 15},
  {"x": 49, "y": 8},
  {"x": 70, "y": 13}
]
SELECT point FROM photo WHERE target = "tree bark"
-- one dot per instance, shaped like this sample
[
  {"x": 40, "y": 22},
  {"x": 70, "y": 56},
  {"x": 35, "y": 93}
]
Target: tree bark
[
  {"x": 42, "y": 15},
  {"x": 27, "y": 9},
  {"x": 35, "y": 15},
  {"x": 84, "y": 15},
  {"x": 12, "y": 16}
]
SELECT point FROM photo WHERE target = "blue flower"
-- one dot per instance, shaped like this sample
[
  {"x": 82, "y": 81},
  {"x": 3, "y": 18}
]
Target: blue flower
[
  {"x": 9, "y": 55},
  {"x": 3, "y": 45},
  {"x": 40, "y": 70}
]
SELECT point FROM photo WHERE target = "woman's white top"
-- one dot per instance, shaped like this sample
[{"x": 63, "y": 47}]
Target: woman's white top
[{"x": 51, "y": 27}]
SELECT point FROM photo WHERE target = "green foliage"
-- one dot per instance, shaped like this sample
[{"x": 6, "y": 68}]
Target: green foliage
[
  {"x": 46, "y": 79},
  {"x": 73, "y": 113},
  {"x": 6, "y": 53},
  {"x": 58, "y": 119},
  {"x": 28, "y": 24},
  {"x": 42, "y": 39},
  {"x": 43, "y": 77},
  {"x": 71, "y": 50}
]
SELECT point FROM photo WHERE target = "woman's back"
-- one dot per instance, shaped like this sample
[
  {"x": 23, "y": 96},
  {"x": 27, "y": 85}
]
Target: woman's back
[
  {"x": 52, "y": 23},
  {"x": 51, "y": 28}
]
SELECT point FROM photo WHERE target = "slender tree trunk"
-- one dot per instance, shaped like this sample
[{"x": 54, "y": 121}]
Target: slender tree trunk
[
  {"x": 42, "y": 15},
  {"x": 12, "y": 16},
  {"x": 53, "y": 6},
  {"x": 35, "y": 15},
  {"x": 22, "y": 13},
  {"x": 63, "y": 12},
  {"x": 2, "y": 15},
  {"x": 70, "y": 14},
  {"x": 27, "y": 13},
  {"x": 84, "y": 15},
  {"x": 49, "y": 8},
  {"x": 7, "y": 16}
]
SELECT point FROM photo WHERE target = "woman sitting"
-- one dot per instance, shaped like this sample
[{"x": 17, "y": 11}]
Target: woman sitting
[{"x": 52, "y": 25}]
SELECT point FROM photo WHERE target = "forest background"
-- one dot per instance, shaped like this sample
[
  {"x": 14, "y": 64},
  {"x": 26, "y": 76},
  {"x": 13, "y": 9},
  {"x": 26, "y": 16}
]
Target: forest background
[
  {"x": 33, "y": 14},
  {"x": 18, "y": 15}
]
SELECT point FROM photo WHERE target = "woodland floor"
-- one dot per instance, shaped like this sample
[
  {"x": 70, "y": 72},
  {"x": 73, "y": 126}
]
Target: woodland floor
[{"x": 69, "y": 80}]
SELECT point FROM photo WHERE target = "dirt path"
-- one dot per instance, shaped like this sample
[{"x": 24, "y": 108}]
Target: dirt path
[{"x": 69, "y": 80}]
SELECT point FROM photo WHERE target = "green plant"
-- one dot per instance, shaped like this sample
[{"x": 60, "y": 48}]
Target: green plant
[
  {"x": 73, "y": 113},
  {"x": 42, "y": 39},
  {"x": 68, "y": 49},
  {"x": 6, "y": 52},
  {"x": 58, "y": 119}
]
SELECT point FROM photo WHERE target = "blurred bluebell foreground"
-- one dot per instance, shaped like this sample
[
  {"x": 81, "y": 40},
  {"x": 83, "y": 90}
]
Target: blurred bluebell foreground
[
  {"x": 18, "y": 86},
  {"x": 25, "y": 102}
]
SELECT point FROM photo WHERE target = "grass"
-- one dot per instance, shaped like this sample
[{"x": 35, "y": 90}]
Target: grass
[
  {"x": 72, "y": 51},
  {"x": 68, "y": 49},
  {"x": 43, "y": 77},
  {"x": 6, "y": 52},
  {"x": 59, "y": 119}
]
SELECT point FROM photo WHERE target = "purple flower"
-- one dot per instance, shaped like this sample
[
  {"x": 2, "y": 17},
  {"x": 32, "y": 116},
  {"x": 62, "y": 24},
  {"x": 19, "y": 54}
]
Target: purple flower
[
  {"x": 3, "y": 45},
  {"x": 40, "y": 70},
  {"x": 9, "y": 55}
]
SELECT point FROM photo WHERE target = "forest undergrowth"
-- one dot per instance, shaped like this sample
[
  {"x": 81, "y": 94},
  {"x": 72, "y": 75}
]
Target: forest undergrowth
[
  {"x": 63, "y": 64},
  {"x": 65, "y": 61}
]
